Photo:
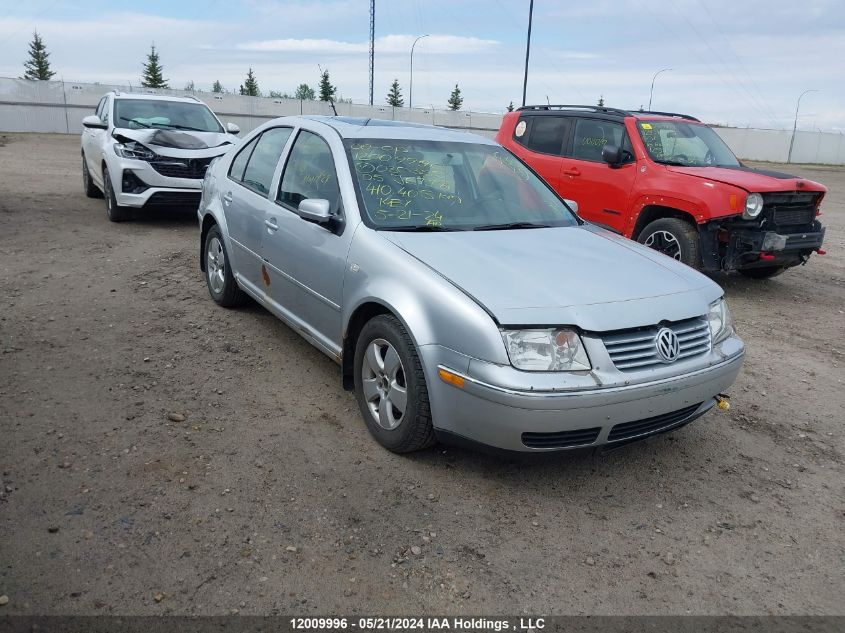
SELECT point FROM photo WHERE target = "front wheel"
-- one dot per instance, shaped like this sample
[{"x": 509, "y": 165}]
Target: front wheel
[
  {"x": 87, "y": 184},
  {"x": 390, "y": 387},
  {"x": 763, "y": 272},
  {"x": 115, "y": 212},
  {"x": 674, "y": 238}
]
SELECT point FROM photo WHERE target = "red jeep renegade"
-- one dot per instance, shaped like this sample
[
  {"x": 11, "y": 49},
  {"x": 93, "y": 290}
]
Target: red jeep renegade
[{"x": 671, "y": 183}]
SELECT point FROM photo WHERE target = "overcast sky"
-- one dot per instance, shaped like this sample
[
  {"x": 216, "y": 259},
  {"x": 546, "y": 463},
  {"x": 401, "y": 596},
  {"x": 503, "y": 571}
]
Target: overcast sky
[{"x": 740, "y": 62}]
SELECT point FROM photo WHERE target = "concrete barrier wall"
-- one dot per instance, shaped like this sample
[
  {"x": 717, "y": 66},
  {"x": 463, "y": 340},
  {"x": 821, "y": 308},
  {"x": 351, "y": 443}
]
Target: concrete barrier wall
[{"x": 56, "y": 106}]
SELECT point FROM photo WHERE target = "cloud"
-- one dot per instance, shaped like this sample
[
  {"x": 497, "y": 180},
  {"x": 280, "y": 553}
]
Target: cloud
[{"x": 441, "y": 44}]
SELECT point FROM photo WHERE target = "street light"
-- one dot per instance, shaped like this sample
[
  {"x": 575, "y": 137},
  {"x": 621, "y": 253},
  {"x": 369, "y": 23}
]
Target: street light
[
  {"x": 795, "y": 124},
  {"x": 411, "y": 86},
  {"x": 651, "y": 94}
]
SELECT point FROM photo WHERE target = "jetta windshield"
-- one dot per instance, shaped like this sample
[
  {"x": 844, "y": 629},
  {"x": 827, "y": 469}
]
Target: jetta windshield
[
  {"x": 433, "y": 186},
  {"x": 685, "y": 144},
  {"x": 157, "y": 114}
]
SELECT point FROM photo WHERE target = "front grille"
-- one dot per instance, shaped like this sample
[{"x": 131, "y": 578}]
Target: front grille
[
  {"x": 174, "y": 199},
  {"x": 790, "y": 209},
  {"x": 648, "y": 426},
  {"x": 563, "y": 439},
  {"x": 635, "y": 349},
  {"x": 182, "y": 167}
]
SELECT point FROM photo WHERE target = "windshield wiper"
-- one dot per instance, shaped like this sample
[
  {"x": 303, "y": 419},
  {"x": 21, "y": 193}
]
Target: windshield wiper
[
  {"x": 184, "y": 127},
  {"x": 675, "y": 163},
  {"x": 422, "y": 228},
  {"x": 136, "y": 122},
  {"x": 511, "y": 225}
]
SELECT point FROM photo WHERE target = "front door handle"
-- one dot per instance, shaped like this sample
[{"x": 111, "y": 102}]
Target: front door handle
[
  {"x": 572, "y": 171},
  {"x": 272, "y": 225},
  {"x": 227, "y": 199}
]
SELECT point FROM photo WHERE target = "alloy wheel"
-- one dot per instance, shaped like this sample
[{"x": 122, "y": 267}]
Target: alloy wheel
[
  {"x": 664, "y": 242},
  {"x": 216, "y": 265},
  {"x": 384, "y": 384}
]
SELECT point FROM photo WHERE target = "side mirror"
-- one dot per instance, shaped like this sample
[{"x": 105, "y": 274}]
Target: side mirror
[
  {"x": 231, "y": 128},
  {"x": 571, "y": 204},
  {"x": 315, "y": 210},
  {"x": 611, "y": 154},
  {"x": 92, "y": 121}
]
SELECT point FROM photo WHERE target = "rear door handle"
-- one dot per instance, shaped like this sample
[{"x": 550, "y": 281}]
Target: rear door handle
[
  {"x": 272, "y": 224},
  {"x": 227, "y": 199},
  {"x": 572, "y": 171}
]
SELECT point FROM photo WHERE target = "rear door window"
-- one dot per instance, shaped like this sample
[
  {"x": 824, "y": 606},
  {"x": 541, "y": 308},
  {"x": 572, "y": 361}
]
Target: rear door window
[
  {"x": 546, "y": 134},
  {"x": 254, "y": 166}
]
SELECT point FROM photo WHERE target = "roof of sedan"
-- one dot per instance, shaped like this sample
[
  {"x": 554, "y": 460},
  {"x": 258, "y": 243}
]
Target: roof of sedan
[{"x": 360, "y": 127}]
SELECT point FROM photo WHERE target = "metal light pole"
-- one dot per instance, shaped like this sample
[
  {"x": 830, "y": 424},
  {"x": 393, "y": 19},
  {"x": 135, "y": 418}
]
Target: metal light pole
[
  {"x": 411, "y": 86},
  {"x": 372, "y": 45},
  {"x": 651, "y": 94},
  {"x": 795, "y": 124},
  {"x": 527, "y": 49}
]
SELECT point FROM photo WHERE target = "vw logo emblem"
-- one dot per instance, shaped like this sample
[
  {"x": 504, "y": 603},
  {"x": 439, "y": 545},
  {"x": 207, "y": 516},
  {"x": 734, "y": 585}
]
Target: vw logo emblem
[{"x": 667, "y": 344}]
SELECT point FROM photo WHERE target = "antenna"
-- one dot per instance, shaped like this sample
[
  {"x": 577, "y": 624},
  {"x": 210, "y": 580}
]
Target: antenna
[{"x": 331, "y": 102}]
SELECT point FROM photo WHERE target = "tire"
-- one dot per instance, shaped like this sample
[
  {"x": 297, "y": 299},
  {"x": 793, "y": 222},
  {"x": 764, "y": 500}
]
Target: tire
[
  {"x": 222, "y": 285},
  {"x": 764, "y": 272},
  {"x": 115, "y": 212},
  {"x": 381, "y": 338},
  {"x": 674, "y": 238},
  {"x": 87, "y": 184}
]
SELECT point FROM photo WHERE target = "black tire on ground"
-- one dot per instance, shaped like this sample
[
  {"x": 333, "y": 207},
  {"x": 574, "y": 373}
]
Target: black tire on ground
[
  {"x": 115, "y": 212},
  {"x": 87, "y": 184},
  {"x": 673, "y": 237},
  {"x": 764, "y": 272},
  {"x": 414, "y": 431},
  {"x": 222, "y": 285}
]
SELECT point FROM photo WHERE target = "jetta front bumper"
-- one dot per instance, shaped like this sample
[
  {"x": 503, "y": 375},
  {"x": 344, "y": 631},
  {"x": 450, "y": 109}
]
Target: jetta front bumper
[{"x": 521, "y": 419}]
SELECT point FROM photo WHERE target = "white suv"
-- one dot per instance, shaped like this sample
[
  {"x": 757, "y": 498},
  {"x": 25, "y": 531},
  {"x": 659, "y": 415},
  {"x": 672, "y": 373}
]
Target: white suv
[{"x": 144, "y": 150}]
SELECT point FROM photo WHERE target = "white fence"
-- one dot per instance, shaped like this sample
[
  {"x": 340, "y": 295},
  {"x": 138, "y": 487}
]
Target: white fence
[{"x": 56, "y": 106}]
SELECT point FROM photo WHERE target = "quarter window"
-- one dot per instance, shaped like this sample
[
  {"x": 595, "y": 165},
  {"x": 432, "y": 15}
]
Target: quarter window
[
  {"x": 591, "y": 135},
  {"x": 546, "y": 134},
  {"x": 309, "y": 173}
]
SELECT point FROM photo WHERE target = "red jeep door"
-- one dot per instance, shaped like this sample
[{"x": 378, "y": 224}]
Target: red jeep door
[
  {"x": 600, "y": 190},
  {"x": 539, "y": 142}
]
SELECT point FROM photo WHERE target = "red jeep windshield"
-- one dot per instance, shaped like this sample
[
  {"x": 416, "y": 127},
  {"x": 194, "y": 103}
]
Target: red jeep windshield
[{"x": 685, "y": 144}]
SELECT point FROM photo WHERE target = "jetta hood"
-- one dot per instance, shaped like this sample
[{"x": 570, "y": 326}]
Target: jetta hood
[
  {"x": 750, "y": 179},
  {"x": 582, "y": 276},
  {"x": 178, "y": 143}
]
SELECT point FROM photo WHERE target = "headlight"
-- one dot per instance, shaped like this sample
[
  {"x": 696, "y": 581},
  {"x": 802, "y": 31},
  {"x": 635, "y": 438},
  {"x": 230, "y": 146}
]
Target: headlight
[
  {"x": 546, "y": 350},
  {"x": 753, "y": 206},
  {"x": 134, "y": 150},
  {"x": 719, "y": 319}
]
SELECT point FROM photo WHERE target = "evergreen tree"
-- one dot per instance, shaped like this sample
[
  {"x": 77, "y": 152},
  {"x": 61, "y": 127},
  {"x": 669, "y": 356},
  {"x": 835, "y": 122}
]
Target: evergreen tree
[
  {"x": 327, "y": 90},
  {"x": 38, "y": 66},
  {"x": 510, "y": 107},
  {"x": 601, "y": 101},
  {"x": 455, "y": 99},
  {"x": 394, "y": 97},
  {"x": 305, "y": 93},
  {"x": 217, "y": 86},
  {"x": 250, "y": 86},
  {"x": 153, "y": 71}
]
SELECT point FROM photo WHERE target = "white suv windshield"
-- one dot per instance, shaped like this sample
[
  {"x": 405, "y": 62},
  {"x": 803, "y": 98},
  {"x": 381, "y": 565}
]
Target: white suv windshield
[
  {"x": 157, "y": 114},
  {"x": 432, "y": 185},
  {"x": 686, "y": 144}
]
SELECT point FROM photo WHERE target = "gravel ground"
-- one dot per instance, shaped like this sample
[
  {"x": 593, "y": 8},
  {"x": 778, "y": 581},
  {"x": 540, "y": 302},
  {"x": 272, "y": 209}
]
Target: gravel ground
[{"x": 162, "y": 455}]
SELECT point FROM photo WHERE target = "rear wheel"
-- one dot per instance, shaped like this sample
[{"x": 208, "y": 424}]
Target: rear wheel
[
  {"x": 390, "y": 387},
  {"x": 115, "y": 212},
  {"x": 87, "y": 184},
  {"x": 674, "y": 238},
  {"x": 222, "y": 285},
  {"x": 764, "y": 272}
]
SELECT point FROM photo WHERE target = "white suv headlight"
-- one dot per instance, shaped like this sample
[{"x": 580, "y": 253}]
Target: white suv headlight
[
  {"x": 546, "y": 350},
  {"x": 134, "y": 150},
  {"x": 719, "y": 319},
  {"x": 753, "y": 206}
]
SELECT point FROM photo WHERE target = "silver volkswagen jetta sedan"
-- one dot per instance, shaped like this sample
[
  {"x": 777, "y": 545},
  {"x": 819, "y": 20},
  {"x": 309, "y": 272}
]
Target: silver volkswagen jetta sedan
[{"x": 461, "y": 297}]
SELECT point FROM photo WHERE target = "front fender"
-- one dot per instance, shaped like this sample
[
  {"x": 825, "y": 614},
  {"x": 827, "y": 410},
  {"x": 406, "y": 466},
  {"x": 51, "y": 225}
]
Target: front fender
[
  {"x": 433, "y": 311},
  {"x": 211, "y": 209}
]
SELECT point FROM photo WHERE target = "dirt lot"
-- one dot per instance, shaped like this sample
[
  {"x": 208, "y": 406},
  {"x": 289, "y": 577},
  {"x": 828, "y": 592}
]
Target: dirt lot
[{"x": 271, "y": 497}]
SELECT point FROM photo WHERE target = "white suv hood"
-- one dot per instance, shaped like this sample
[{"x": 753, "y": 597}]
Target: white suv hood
[{"x": 179, "y": 143}]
